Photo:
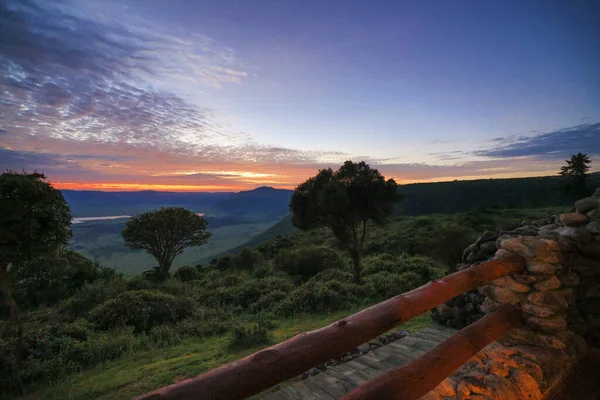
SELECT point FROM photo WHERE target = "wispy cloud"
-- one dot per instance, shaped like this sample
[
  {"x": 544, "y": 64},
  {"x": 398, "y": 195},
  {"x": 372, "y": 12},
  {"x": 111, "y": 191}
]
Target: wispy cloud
[{"x": 550, "y": 145}]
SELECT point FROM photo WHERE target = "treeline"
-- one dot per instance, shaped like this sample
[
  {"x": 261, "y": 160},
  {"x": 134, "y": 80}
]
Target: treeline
[{"x": 461, "y": 196}]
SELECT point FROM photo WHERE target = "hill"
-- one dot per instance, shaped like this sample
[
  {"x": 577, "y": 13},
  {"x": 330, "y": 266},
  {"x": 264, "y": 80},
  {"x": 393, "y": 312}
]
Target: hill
[
  {"x": 85, "y": 203},
  {"x": 457, "y": 197},
  {"x": 262, "y": 203},
  {"x": 462, "y": 196}
]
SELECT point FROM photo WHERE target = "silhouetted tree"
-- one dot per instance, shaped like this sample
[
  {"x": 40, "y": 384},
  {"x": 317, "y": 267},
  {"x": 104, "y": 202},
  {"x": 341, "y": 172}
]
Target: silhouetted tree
[
  {"x": 345, "y": 201},
  {"x": 576, "y": 170},
  {"x": 34, "y": 222},
  {"x": 164, "y": 234}
]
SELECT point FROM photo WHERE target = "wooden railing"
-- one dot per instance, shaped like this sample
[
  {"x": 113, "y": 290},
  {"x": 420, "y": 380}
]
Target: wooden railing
[{"x": 261, "y": 370}]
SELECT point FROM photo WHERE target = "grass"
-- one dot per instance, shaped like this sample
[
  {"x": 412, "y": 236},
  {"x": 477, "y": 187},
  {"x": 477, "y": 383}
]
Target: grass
[{"x": 141, "y": 372}]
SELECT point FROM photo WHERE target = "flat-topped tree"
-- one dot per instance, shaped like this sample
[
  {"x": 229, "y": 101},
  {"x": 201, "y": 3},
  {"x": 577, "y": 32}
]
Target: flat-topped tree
[
  {"x": 164, "y": 234},
  {"x": 345, "y": 201}
]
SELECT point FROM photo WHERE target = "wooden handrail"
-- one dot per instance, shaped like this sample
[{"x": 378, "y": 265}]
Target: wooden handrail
[
  {"x": 419, "y": 377},
  {"x": 261, "y": 370}
]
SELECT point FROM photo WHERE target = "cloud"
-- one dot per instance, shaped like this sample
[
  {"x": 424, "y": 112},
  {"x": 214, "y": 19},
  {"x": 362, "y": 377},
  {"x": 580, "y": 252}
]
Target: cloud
[
  {"x": 551, "y": 145},
  {"x": 70, "y": 77}
]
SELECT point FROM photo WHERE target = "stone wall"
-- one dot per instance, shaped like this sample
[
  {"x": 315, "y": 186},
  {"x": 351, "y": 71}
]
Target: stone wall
[{"x": 558, "y": 294}]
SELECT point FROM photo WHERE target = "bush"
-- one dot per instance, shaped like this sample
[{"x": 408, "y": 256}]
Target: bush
[
  {"x": 309, "y": 261},
  {"x": 206, "y": 321},
  {"x": 316, "y": 296},
  {"x": 385, "y": 285},
  {"x": 249, "y": 294},
  {"x": 139, "y": 283},
  {"x": 247, "y": 259},
  {"x": 187, "y": 273},
  {"x": 141, "y": 309},
  {"x": 333, "y": 275},
  {"x": 92, "y": 294},
  {"x": 252, "y": 334}
]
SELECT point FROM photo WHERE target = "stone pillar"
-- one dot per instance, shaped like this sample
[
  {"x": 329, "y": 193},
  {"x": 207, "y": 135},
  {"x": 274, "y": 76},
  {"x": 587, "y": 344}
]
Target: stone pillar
[{"x": 558, "y": 294}]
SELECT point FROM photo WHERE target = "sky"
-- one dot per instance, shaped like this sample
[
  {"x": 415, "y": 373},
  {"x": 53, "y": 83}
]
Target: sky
[{"x": 227, "y": 95}]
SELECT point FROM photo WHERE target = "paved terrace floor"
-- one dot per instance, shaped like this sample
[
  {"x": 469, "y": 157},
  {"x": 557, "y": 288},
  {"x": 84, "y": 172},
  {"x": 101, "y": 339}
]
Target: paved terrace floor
[{"x": 338, "y": 380}]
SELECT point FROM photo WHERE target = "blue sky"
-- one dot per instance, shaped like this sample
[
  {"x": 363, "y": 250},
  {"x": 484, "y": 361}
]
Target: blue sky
[{"x": 215, "y": 95}]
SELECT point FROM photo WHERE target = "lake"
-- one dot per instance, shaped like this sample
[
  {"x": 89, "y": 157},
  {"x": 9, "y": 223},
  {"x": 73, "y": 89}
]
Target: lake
[{"x": 81, "y": 220}]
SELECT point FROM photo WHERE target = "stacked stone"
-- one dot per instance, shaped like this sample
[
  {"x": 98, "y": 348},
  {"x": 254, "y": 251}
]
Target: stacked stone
[
  {"x": 579, "y": 234},
  {"x": 559, "y": 295},
  {"x": 459, "y": 311},
  {"x": 541, "y": 291}
]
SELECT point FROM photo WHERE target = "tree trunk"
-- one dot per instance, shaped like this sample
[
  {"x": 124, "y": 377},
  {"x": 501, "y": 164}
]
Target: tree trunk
[
  {"x": 165, "y": 267},
  {"x": 14, "y": 317}
]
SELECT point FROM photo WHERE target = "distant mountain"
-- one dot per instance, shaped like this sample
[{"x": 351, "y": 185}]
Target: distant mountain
[
  {"x": 257, "y": 204},
  {"x": 89, "y": 203}
]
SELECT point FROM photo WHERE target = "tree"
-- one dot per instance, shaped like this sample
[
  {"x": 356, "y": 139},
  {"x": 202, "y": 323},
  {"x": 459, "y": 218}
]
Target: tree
[
  {"x": 345, "y": 201},
  {"x": 576, "y": 170},
  {"x": 34, "y": 222},
  {"x": 164, "y": 234}
]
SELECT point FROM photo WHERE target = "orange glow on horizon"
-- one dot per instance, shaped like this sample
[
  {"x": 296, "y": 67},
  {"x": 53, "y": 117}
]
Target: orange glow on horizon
[
  {"x": 112, "y": 187},
  {"x": 248, "y": 185}
]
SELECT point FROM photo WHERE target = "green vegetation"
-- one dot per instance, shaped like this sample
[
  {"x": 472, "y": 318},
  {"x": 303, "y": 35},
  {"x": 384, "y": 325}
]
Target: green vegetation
[
  {"x": 345, "y": 201},
  {"x": 164, "y": 234},
  {"x": 87, "y": 332}
]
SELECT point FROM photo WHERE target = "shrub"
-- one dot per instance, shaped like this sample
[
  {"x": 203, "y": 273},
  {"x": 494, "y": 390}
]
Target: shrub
[
  {"x": 92, "y": 294},
  {"x": 385, "y": 284},
  {"x": 316, "y": 296},
  {"x": 251, "y": 334},
  {"x": 333, "y": 275},
  {"x": 142, "y": 309},
  {"x": 139, "y": 283},
  {"x": 187, "y": 273},
  {"x": 247, "y": 259},
  {"x": 308, "y": 261}
]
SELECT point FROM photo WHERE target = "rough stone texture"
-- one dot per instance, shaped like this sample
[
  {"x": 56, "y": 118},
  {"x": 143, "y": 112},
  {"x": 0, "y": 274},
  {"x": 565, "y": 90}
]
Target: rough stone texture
[
  {"x": 558, "y": 293},
  {"x": 587, "y": 204},
  {"x": 574, "y": 219},
  {"x": 541, "y": 269},
  {"x": 548, "y": 284},
  {"x": 511, "y": 284}
]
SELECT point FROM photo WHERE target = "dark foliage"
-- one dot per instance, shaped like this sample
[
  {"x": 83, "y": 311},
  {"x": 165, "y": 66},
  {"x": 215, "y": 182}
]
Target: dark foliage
[{"x": 345, "y": 201}]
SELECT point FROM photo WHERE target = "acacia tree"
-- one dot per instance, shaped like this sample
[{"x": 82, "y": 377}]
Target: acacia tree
[
  {"x": 164, "y": 234},
  {"x": 346, "y": 201},
  {"x": 576, "y": 170}
]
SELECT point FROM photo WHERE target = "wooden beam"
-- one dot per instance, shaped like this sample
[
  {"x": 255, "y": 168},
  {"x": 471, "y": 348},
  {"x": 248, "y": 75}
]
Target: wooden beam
[
  {"x": 261, "y": 370},
  {"x": 419, "y": 377}
]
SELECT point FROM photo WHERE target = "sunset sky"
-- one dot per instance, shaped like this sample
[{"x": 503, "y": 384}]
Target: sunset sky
[{"x": 227, "y": 95}]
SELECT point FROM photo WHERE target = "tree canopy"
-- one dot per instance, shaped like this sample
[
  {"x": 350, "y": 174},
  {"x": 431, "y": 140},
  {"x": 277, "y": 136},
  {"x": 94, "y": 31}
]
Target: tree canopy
[
  {"x": 34, "y": 222},
  {"x": 165, "y": 233},
  {"x": 576, "y": 169},
  {"x": 577, "y": 165},
  {"x": 345, "y": 200}
]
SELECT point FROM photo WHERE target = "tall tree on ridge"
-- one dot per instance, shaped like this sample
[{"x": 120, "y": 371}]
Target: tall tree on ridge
[
  {"x": 345, "y": 201},
  {"x": 576, "y": 170}
]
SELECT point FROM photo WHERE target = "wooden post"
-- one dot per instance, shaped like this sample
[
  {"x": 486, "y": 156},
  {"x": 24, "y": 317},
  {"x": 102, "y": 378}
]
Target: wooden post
[
  {"x": 419, "y": 377},
  {"x": 261, "y": 370}
]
